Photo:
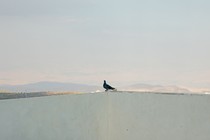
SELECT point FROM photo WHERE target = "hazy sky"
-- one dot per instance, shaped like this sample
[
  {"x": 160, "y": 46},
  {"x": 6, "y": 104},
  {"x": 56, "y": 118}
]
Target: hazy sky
[{"x": 122, "y": 41}]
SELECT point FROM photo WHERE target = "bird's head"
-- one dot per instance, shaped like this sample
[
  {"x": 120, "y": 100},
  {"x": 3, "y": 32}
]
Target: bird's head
[{"x": 104, "y": 81}]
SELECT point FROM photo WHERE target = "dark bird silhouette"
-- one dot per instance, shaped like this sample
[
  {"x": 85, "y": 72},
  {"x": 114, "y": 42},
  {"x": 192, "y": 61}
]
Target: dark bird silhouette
[{"x": 107, "y": 87}]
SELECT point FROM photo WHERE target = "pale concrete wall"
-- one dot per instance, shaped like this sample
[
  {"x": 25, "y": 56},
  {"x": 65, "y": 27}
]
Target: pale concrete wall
[
  {"x": 65, "y": 117},
  {"x": 102, "y": 116},
  {"x": 159, "y": 117}
]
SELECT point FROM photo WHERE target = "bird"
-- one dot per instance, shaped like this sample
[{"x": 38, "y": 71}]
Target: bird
[{"x": 107, "y": 87}]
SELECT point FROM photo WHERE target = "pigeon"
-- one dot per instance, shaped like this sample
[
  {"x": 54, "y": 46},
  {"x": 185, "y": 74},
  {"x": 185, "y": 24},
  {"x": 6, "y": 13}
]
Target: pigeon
[{"x": 107, "y": 87}]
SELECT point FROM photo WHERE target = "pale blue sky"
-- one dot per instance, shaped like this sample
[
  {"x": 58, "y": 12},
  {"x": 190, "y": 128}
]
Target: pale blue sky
[{"x": 122, "y": 41}]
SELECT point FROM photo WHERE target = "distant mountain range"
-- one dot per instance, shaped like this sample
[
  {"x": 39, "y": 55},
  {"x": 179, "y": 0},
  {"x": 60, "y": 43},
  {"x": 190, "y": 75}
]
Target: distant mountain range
[
  {"x": 49, "y": 87},
  {"x": 156, "y": 88},
  {"x": 72, "y": 87}
]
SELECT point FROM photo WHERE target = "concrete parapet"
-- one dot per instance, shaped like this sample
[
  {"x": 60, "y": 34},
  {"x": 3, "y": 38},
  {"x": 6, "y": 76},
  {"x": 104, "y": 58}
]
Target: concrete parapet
[{"x": 107, "y": 116}]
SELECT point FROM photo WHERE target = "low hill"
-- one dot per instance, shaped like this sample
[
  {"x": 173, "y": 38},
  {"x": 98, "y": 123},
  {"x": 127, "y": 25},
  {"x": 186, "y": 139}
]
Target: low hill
[
  {"x": 49, "y": 87},
  {"x": 155, "y": 88}
]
